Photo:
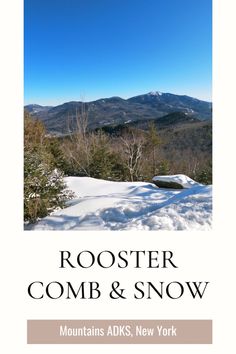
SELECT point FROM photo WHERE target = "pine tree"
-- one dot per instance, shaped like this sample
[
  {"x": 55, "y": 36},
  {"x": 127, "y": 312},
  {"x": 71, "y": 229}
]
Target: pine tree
[
  {"x": 44, "y": 187},
  {"x": 153, "y": 142},
  {"x": 101, "y": 157},
  {"x": 164, "y": 168}
]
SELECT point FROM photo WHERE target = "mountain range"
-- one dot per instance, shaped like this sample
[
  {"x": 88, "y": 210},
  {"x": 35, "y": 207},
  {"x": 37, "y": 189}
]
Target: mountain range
[{"x": 163, "y": 108}]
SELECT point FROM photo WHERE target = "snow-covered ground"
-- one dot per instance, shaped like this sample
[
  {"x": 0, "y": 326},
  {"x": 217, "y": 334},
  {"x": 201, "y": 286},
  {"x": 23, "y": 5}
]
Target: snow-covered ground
[{"x": 106, "y": 205}]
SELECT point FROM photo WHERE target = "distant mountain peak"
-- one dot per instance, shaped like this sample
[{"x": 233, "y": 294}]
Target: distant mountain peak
[{"x": 154, "y": 93}]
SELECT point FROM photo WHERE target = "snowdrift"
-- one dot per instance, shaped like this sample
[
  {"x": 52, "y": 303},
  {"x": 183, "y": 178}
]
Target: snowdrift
[{"x": 106, "y": 205}]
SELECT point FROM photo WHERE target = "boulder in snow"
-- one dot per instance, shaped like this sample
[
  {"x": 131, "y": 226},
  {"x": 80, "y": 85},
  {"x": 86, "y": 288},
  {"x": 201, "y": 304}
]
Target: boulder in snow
[{"x": 174, "y": 182}]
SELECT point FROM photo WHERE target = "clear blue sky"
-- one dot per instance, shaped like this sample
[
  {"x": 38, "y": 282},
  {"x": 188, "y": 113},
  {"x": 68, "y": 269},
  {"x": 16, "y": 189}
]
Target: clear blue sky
[{"x": 101, "y": 48}]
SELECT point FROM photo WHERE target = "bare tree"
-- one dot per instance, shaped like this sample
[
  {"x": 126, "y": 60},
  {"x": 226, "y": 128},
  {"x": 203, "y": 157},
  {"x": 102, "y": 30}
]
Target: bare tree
[
  {"x": 79, "y": 149},
  {"x": 133, "y": 145},
  {"x": 82, "y": 120}
]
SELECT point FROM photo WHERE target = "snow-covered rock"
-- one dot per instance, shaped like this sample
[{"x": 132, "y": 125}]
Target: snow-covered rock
[
  {"x": 106, "y": 205},
  {"x": 182, "y": 180}
]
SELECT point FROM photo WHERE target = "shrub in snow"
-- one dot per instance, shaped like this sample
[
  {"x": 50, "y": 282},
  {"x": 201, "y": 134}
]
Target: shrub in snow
[
  {"x": 44, "y": 187},
  {"x": 205, "y": 176}
]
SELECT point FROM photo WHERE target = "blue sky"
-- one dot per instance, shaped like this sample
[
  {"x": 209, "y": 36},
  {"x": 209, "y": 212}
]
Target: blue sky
[{"x": 89, "y": 49}]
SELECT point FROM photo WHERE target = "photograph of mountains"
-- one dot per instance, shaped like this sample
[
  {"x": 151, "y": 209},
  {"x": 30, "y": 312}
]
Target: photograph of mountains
[{"x": 118, "y": 115}]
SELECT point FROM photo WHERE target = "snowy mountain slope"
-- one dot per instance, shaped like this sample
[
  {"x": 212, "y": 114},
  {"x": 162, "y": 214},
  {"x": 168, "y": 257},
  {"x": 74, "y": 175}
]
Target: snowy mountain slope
[{"x": 106, "y": 205}]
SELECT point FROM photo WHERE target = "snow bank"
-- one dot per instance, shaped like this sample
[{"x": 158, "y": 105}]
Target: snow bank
[
  {"x": 106, "y": 205},
  {"x": 184, "y": 181}
]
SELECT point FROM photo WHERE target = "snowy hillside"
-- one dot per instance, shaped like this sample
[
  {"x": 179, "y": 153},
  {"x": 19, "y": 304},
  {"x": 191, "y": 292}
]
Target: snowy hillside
[{"x": 106, "y": 205}]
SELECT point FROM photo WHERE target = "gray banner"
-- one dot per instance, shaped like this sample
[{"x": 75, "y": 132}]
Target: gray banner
[{"x": 119, "y": 332}]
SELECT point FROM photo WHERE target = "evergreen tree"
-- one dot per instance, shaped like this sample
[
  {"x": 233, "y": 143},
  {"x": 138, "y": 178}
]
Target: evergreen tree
[
  {"x": 101, "y": 157},
  {"x": 163, "y": 168},
  {"x": 204, "y": 176},
  {"x": 153, "y": 142},
  {"x": 44, "y": 188}
]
